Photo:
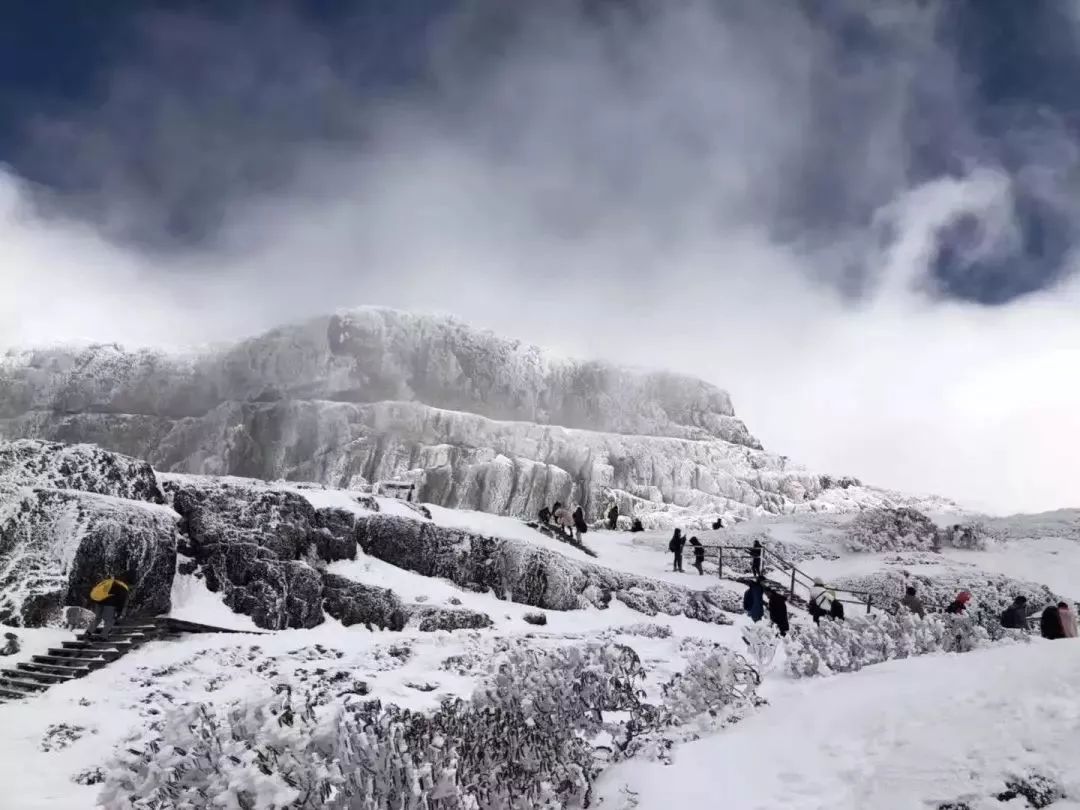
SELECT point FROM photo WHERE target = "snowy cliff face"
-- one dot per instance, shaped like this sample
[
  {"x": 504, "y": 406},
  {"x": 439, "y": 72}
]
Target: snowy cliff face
[{"x": 475, "y": 420}]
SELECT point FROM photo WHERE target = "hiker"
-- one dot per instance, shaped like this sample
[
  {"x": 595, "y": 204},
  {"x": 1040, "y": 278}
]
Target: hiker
[
  {"x": 753, "y": 601},
  {"x": 778, "y": 611},
  {"x": 11, "y": 644},
  {"x": 755, "y": 558},
  {"x": 1068, "y": 620},
  {"x": 718, "y": 523},
  {"x": 544, "y": 515},
  {"x": 613, "y": 517},
  {"x": 564, "y": 519},
  {"x": 820, "y": 603},
  {"x": 636, "y": 526},
  {"x": 1014, "y": 617},
  {"x": 1050, "y": 624},
  {"x": 913, "y": 603},
  {"x": 109, "y": 598},
  {"x": 959, "y": 604},
  {"x": 580, "y": 526},
  {"x": 699, "y": 555},
  {"x": 675, "y": 546}
]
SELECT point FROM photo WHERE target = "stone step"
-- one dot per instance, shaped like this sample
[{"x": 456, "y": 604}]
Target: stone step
[
  {"x": 82, "y": 666},
  {"x": 22, "y": 680},
  {"x": 42, "y": 673},
  {"x": 86, "y": 655},
  {"x": 11, "y": 693},
  {"x": 112, "y": 644}
]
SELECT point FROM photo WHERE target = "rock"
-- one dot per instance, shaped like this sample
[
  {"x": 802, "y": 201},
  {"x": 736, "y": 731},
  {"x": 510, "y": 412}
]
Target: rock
[
  {"x": 76, "y": 618},
  {"x": 80, "y": 467},
  {"x": 355, "y": 603},
  {"x": 523, "y": 573},
  {"x": 249, "y": 538},
  {"x": 429, "y": 619},
  {"x": 478, "y": 421},
  {"x": 275, "y": 593},
  {"x": 56, "y": 544},
  {"x": 539, "y": 619}
]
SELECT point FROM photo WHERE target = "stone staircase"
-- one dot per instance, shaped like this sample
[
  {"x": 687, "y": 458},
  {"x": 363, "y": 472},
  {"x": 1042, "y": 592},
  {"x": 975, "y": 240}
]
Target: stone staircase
[{"x": 87, "y": 653}]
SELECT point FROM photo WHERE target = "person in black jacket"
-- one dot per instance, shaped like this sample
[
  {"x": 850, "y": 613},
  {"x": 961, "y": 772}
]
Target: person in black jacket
[
  {"x": 544, "y": 515},
  {"x": 755, "y": 558},
  {"x": 754, "y": 601},
  {"x": 636, "y": 526},
  {"x": 1050, "y": 624},
  {"x": 109, "y": 598},
  {"x": 675, "y": 546},
  {"x": 613, "y": 517},
  {"x": 1015, "y": 616},
  {"x": 580, "y": 526},
  {"x": 699, "y": 555},
  {"x": 778, "y": 611}
]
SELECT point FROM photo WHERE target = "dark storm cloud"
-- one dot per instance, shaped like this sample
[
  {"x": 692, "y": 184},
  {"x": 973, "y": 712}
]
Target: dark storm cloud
[{"x": 809, "y": 203}]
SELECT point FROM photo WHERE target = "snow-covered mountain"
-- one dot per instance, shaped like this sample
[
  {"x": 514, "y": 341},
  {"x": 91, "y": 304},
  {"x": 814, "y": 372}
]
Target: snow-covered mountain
[
  {"x": 477, "y": 421},
  {"x": 445, "y": 654}
]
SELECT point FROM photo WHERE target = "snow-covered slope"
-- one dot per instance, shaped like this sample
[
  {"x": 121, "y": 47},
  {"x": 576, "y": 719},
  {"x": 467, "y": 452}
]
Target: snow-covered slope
[
  {"x": 477, "y": 421},
  {"x": 536, "y": 665}
]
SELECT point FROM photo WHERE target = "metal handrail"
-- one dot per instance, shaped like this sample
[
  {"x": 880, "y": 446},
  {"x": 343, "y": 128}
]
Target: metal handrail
[{"x": 807, "y": 580}]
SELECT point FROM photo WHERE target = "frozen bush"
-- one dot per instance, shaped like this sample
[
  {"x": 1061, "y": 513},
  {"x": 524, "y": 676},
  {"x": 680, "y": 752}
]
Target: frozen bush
[
  {"x": 762, "y": 641},
  {"x": 850, "y": 645},
  {"x": 889, "y": 529},
  {"x": 520, "y": 742},
  {"x": 712, "y": 683}
]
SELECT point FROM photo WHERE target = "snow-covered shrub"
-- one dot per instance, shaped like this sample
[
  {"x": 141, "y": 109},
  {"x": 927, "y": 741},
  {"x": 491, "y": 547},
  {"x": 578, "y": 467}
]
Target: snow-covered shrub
[
  {"x": 643, "y": 629},
  {"x": 762, "y": 641},
  {"x": 991, "y": 593},
  {"x": 712, "y": 683},
  {"x": 891, "y": 529},
  {"x": 975, "y": 536},
  {"x": 520, "y": 742},
  {"x": 848, "y": 646}
]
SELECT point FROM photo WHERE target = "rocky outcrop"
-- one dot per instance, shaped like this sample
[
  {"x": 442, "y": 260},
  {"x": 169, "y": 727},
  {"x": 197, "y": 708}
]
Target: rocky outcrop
[
  {"x": 523, "y": 573},
  {"x": 430, "y": 619},
  {"x": 56, "y": 544},
  {"x": 476, "y": 420},
  {"x": 254, "y": 541},
  {"x": 354, "y": 603},
  {"x": 82, "y": 467}
]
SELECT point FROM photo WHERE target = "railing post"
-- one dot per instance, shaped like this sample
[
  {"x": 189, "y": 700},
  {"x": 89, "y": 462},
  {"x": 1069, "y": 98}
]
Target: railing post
[
  {"x": 869, "y": 599},
  {"x": 720, "y": 563},
  {"x": 792, "y": 581}
]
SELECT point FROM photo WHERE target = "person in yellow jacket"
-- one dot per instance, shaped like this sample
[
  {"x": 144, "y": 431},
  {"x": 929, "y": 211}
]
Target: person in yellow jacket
[{"x": 109, "y": 598}]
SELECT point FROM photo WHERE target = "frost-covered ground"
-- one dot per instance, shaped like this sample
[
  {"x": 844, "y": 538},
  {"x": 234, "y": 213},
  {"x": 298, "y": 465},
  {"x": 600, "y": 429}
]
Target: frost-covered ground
[
  {"x": 909, "y": 733},
  {"x": 903, "y": 735}
]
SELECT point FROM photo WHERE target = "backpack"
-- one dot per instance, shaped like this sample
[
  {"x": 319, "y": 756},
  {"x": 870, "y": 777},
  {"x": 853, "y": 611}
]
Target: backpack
[{"x": 100, "y": 592}]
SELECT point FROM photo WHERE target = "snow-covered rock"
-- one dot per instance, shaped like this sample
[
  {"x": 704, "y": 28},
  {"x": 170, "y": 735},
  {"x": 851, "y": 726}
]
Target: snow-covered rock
[
  {"x": 82, "y": 467},
  {"x": 355, "y": 603},
  {"x": 69, "y": 516},
  {"x": 524, "y": 573},
  {"x": 478, "y": 421}
]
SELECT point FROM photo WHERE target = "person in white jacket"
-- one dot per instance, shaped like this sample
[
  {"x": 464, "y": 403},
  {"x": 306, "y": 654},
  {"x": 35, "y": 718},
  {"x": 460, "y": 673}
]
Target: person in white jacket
[{"x": 820, "y": 600}]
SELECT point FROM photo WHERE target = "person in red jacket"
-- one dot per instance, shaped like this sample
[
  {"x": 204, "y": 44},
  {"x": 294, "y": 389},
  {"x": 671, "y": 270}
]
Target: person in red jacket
[{"x": 959, "y": 604}]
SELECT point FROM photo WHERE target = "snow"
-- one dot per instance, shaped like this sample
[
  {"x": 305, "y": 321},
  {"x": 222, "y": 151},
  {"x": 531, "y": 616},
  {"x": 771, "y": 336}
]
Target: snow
[
  {"x": 901, "y": 735},
  {"x": 192, "y": 601}
]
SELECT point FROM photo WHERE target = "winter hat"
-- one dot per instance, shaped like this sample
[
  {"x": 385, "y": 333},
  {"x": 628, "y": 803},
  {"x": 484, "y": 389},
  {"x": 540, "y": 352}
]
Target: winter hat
[
  {"x": 819, "y": 581},
  {"x": 963, "y": 596}
]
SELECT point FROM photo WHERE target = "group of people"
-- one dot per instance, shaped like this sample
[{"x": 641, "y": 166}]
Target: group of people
[
  {"x": 676, "y": 546},
  {"x": 1056, "y": 621},
  {"x": 758, "y": 597},
  {"x": 571, "y": 522}
]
